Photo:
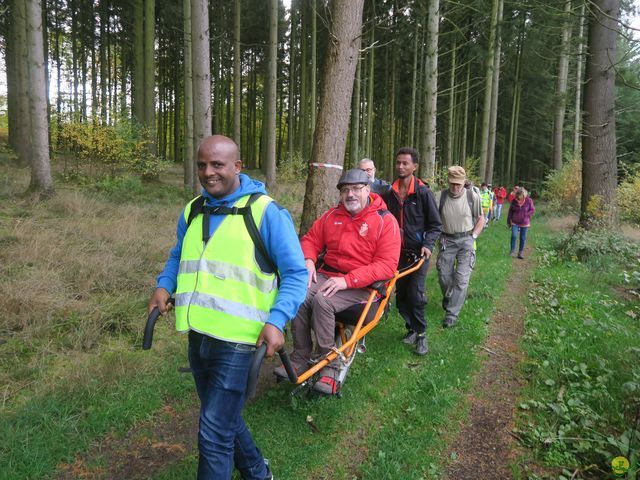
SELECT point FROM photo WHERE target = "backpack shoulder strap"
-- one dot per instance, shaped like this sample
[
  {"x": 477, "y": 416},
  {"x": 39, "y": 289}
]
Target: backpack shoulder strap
[
  {"x": 196, "y": 209},
  {"x": 254, "y": 233},
  {"x": 470, "y": 201},
  {"x": 443, "y": 197}
]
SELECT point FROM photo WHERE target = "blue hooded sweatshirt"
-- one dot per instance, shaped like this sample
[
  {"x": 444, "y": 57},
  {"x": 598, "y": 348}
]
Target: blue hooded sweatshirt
[{"x": 280, "y": 239}]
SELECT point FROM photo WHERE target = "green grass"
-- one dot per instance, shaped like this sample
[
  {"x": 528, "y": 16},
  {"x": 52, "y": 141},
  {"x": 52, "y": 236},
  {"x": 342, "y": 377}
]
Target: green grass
[
  {"x": 398, "y": 410},
  {"x": 51, "y": 428},
  {"x": 582, "y": 406}
]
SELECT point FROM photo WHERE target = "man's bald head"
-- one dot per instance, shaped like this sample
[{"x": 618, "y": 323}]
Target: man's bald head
[
  {"x": 219, "y": 165},
  {"x": 221, "y": 144}
]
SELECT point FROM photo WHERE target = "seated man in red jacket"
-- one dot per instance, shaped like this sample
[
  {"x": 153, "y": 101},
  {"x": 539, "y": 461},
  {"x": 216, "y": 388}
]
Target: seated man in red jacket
[{"x": 361, "y": 241}]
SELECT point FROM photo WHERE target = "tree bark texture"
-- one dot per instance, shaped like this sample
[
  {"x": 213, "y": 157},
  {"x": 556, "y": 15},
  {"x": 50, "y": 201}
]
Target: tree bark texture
[
  {"x": 431, "y": 92},
  {"x": 189, "y": 171},
  {"x": 599, "y": 164},
  {"x": 270, "y": 97},
  {"x": 486, "y": 110},
  {"x": 577, "y": 119},
  {"x": 137, "y": 107},
  {"x": 41, "y": 181},
  {"x": 329, "y": 140},
  {"x": 22, "y": 126},
  {"x": 495, "y": 90},
  {"x": 237, "y": 73},
  {"x": 150, "y": 73},
  {"x": 561, "y": 89},
  {"x": 201, "y": 71}
]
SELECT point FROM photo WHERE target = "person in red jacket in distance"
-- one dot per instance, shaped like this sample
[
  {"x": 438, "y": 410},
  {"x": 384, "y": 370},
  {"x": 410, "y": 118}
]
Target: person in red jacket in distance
[{"x": 361, "y": 241}]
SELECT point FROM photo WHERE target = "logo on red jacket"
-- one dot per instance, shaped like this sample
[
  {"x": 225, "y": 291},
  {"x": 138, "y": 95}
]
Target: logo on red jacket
[{"x": 364, "y": 229}]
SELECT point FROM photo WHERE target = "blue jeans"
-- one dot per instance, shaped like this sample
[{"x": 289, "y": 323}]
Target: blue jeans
[
  {"x": 220, "y": 370},
  {"x": 523, "y": 237},
  {"x": 498, "y": 211}
]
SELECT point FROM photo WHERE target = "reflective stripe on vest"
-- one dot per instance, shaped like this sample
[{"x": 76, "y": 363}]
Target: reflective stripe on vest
[{"x": 221, "y": 290}]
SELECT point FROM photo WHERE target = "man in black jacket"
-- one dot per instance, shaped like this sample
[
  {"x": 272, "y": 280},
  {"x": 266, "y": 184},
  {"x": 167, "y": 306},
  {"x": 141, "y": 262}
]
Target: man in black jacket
[{"x": 414, "y": 206}]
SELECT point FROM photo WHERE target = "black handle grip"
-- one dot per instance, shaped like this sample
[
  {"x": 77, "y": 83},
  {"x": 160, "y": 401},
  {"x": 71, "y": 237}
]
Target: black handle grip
[
  {"x": 256, "y": 363},
  {"x": 148, "y": 329},
  {"x": 293, "y": 376},
  {"x": 254, "y": 370},
  {"x": 151, "y": 323}
]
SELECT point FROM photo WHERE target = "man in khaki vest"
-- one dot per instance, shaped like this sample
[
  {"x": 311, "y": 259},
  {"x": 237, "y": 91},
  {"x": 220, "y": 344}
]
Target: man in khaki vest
[{"x": 462, "y": 222}]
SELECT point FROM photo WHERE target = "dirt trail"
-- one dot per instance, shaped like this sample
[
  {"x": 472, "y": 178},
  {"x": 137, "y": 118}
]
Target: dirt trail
[{"x": 484, "y": 448}]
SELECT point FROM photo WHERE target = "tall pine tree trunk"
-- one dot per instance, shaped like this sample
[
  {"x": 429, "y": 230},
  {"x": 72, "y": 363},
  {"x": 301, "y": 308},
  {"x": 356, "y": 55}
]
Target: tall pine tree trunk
[
  {"x": 370, "y": 88},
  {"x": 188, "y": 160},
  {"x": 137, "y": 104},
  {"x": 452, "y": 106},
  {"x": 488, "y": 89},
  {"x": 577, "y": 119},
  {"x": 237, "y": 73},
  {"x": 329, "y": 140},
  {"x": 414, "y": 76},
  {"x": 22, "y": 125},
  {"x": 599, "y": 163},
  {"x": 41, "y": 181},
  {"x": 428, "y": 164},
  {"x": 149, "y": 72},
  {"x": 354, "y": 141},
  {"x": 465, "y": 122},
  {"x": 314, "y": 67},
  {"x": 292, "y": 72},
  {"x": 201, "y": 71},
  {"x": 269, "y": 165},
  {"x": 495, "y": 89},
  {"x": 561, "y": 88}
]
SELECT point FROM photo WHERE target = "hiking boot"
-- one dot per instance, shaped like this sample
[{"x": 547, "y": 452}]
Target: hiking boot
[
  {"x": 269, "y": 474},
  {"x": 449, "y": 323},
  {"x": 327, "y": 383},
  {"x": 512, "y": 253},
  {"x": 520, "y": 256},
  {"x": 421, "y": 344},
  {"x": 281, "y": 373},
  {"x": 410, "y": 337}
]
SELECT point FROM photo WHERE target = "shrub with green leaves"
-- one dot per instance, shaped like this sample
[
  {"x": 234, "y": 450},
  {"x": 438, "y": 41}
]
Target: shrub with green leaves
[
  {"x": 292, "y": 170},
  {"x": 562, "y": 188},
  {"x": 582, "y": 245},
  {"x": 627, "y": 194},
  {"x": 106, "y": 150}
]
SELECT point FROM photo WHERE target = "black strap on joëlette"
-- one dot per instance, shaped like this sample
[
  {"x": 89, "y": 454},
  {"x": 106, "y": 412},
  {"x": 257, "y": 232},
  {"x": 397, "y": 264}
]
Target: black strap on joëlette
[{"x": 198, "y": 207}]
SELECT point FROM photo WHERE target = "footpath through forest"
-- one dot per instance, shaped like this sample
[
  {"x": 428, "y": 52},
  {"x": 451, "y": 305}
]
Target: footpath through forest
[{"x": 483, "y": 447}]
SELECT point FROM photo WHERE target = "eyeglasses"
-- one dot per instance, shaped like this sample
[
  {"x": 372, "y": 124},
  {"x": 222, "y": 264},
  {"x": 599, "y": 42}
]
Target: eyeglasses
[{"x": 355, "y": 189}]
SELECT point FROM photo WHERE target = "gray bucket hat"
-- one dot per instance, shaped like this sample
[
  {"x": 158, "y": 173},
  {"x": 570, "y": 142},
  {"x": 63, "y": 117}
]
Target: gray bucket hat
[{"x": 353, "y": 177}]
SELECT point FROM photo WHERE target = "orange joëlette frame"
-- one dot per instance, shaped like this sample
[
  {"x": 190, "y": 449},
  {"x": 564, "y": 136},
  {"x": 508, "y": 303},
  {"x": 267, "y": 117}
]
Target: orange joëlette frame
[{"x": 359, "y": 330}]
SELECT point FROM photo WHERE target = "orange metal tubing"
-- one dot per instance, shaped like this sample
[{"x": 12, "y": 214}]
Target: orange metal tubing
[{"x": 360, "y": 331}]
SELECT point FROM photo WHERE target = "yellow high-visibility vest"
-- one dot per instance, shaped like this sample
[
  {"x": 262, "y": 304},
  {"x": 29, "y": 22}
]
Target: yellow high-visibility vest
[
  {"x": 221, "y": 291},
  {"x": 485, "y": 197}
]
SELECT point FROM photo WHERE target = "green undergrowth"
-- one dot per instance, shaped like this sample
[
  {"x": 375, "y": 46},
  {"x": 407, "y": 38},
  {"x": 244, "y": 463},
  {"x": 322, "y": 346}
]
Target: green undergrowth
[
  {"x": 398, "y": 411},
  {"x": 582, "y": 406},
  {"x": 124, "y": 386}
]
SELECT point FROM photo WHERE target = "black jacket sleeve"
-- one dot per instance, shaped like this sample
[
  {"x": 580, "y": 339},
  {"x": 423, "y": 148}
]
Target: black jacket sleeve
[{"x": 432, "y": 221}]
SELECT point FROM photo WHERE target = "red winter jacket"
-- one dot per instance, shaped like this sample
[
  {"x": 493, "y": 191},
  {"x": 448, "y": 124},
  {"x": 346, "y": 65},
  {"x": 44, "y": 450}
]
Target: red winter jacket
[
  {"x": 501, "y": 194},
  {"x": 364, "y": 248}
]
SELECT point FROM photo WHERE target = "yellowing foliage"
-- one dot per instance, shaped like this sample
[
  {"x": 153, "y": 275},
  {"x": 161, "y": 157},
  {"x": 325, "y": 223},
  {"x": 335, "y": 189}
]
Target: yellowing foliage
[{"x": 109, "y": 150}]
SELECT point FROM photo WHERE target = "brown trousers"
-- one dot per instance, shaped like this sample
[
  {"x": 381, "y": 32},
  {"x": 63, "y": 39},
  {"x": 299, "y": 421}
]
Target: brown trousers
[{"x": 318, "y": 313}]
